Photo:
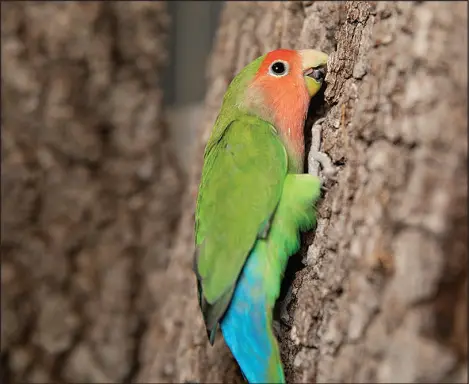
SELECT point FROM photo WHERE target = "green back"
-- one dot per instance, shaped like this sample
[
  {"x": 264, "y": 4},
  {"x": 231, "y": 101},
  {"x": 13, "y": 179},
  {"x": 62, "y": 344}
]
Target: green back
[
  {"x": 241, "y": 186},
  {"x": 232, "y": 102}
]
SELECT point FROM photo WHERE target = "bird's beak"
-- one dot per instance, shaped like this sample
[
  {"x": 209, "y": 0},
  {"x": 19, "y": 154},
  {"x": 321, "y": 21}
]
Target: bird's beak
[{"x": 314, "y": 69}]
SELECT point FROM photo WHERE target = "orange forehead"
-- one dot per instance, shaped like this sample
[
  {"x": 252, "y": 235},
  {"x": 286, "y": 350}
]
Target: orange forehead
[
  {"x": 290, "y": 83},
  {"x": 292, "y": 57}
]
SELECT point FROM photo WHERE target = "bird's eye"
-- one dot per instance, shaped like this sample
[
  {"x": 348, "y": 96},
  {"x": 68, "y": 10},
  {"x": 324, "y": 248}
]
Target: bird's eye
[{"x": 279, "y": 68}]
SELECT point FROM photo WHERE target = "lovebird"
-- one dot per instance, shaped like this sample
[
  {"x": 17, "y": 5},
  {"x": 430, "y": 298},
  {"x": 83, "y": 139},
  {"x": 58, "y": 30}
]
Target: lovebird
[{"x": 253, "y": 200}]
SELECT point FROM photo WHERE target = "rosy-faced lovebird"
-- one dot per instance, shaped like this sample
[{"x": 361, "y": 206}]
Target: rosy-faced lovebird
[{"x": 253, "y": 200}]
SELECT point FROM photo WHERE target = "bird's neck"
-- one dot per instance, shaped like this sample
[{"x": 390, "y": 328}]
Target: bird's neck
[
  {"x": 293, "y": 138},
  {"x": 289, "y": 117}
]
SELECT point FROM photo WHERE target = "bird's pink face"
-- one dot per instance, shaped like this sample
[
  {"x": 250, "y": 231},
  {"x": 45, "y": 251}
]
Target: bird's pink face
[{"x": 282, "y": 88}]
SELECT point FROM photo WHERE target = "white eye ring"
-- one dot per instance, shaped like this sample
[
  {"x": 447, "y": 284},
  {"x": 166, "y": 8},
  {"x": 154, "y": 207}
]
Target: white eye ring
[{"x": 276, "y": 66}]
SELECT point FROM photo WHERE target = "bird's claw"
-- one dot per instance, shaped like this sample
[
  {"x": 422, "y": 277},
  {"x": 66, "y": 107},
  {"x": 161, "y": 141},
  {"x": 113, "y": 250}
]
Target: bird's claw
[
  {"x": 277, "y": 328},
  {"x": 328, "y": 170},
  {"x": 316, "y": 158},
  {"x": 284, "y": 316}
]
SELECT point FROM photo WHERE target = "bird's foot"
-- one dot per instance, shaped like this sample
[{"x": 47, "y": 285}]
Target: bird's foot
[
  {"x": 328, "y": 170},
  {"x": 316, "y": 158},
  {"x": 284, "y": 316},
  {"x": 277, "y": 328}
]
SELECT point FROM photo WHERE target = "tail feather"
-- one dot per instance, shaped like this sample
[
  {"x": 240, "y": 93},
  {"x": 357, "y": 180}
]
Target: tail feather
[{"x": 247, "y": 328}]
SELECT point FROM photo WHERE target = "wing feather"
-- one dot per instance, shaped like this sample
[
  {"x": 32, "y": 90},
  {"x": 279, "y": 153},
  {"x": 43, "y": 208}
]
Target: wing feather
[{"x": 241, "y": 186}]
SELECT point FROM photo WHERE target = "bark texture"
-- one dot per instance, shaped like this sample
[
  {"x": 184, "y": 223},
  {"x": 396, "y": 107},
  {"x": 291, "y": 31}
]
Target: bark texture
[
  {"x": 90, "y": 195},
  {"x": 382, "y": 295}
]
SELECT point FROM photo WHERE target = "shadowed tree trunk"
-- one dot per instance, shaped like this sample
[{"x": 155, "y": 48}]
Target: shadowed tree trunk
[
  {"x": 382, "y": 295},
  {"x": 89, "y": 193}
]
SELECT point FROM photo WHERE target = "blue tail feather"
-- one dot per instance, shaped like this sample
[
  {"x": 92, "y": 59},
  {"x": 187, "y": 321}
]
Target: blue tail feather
[{"x": 247, "y": 328}]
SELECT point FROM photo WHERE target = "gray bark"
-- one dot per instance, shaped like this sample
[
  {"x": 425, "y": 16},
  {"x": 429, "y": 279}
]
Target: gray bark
[
  {"x": 89, "y": 193},
  {"x": 382, "y": 296}
]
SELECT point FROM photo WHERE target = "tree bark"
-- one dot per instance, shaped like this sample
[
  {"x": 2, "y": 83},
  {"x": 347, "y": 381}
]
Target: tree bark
[
  {"x": 90, "y": 195},
  {"x": 382, "y": 295}
]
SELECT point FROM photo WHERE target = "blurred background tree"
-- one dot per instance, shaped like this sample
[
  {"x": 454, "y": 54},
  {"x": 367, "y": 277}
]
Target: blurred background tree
[
  {"x": 103, "y": 126},
  {"x": 90, "y": 187}
]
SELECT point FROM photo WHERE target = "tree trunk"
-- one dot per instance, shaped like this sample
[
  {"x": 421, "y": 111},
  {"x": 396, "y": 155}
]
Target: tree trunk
[
  {"x": 382, "y": 295},
  {"x": 89, "y": 193}
]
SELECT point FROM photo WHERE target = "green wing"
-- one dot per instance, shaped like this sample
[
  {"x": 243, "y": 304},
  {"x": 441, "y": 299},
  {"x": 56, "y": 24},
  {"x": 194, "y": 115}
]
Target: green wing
[{"x": 241, "y": 186}]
